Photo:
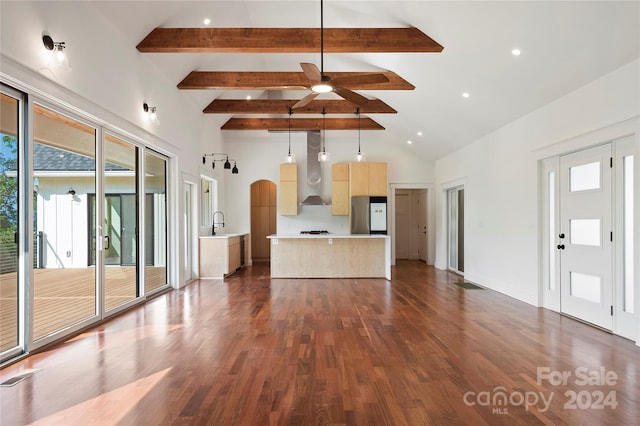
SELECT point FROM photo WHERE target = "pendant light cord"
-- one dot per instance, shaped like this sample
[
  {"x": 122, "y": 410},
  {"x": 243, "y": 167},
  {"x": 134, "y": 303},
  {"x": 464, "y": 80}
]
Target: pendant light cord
[
  {"x": 290, "y": 112},
  {"x": 358, "y": 112},
  {"x": 324, "y": 129}
]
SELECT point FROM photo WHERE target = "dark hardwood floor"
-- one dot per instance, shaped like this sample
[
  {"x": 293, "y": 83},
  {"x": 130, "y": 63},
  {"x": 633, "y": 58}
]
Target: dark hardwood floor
[{"x": 250, "y": 350}]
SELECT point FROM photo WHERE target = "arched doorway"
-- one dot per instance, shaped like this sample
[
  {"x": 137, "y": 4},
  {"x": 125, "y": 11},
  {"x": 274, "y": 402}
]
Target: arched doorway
[{"x": 263, "y": 218}]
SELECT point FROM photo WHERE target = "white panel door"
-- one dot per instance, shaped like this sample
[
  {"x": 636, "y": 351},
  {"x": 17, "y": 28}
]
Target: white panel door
[{"x": 584, "y": 238}]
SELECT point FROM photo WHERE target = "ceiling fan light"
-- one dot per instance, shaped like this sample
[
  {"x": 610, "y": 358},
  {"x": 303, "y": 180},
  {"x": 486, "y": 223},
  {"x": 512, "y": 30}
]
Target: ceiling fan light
[{"x": 321, "y": 88}]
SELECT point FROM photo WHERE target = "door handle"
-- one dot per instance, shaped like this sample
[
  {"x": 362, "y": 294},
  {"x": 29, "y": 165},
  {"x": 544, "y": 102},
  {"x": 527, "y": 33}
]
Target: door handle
[
  {"x": 560, "y": 246},
  {"x": 108, "y": 243},
  {"x": 561, "y": 236}
]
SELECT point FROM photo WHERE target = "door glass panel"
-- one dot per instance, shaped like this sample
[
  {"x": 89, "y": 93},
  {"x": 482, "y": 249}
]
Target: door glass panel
[
  {"x": 585, "y": 232},
  {"x": 64, "y": 161},
  {"x": 585, "y": 286},
  {"x": 584, "y": 177},
  {"x": 628, "y": 233},
  {"x": 120, "y": 222},
  {"x": 9, "y": 294},
  {"x": 155, "y": 222},
  {"x": 552, "y": 230}
]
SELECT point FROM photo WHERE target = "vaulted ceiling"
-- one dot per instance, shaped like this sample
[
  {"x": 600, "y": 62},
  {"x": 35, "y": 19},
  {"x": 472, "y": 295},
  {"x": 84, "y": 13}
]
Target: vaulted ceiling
[
  {"x": 288, "y": 40},
  {"x": 564, "y": 45}
]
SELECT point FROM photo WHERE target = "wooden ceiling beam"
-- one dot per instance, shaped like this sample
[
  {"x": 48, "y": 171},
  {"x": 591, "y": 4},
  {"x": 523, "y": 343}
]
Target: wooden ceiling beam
[
  {"x": 281, "y": 106},
  {"x": 366, "y": 123},
  {"x": 266, "y": 80},
  {"x": 286, "y": 40}
]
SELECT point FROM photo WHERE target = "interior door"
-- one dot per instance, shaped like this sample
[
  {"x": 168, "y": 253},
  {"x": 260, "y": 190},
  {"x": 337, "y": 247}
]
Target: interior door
[{"x": 584, "y": 238}]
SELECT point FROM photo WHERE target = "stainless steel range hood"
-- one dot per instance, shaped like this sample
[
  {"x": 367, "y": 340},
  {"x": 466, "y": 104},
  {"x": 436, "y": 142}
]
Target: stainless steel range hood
[{"x": 314, "y": 171}]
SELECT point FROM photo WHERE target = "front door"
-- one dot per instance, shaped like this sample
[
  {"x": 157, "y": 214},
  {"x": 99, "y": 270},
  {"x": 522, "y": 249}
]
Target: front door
[{"x": 584, "y": 238}]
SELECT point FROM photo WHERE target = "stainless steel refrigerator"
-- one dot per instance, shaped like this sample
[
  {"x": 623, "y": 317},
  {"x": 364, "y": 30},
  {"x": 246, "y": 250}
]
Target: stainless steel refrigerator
[{"x": 368, "y": 215}]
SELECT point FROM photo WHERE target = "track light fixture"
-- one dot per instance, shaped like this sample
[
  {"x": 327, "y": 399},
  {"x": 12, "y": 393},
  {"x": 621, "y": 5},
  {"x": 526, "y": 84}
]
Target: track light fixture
[
  {"x": 151, "y": 111},
  {"x": 58, "y": 58},
  {"x": 226, "y": 160}
]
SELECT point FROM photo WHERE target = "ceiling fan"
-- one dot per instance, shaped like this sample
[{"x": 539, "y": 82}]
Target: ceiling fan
[{"x": 323, "y": 83}]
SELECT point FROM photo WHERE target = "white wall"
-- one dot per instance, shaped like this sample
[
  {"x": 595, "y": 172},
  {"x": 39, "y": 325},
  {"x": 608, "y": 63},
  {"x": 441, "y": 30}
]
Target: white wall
[
  {"x": 259, "y": 155},
  {"x": 501, "y": 174}
]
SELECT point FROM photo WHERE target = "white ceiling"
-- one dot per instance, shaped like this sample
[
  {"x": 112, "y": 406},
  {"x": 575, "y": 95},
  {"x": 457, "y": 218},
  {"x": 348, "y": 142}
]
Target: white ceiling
[{"x": 564, "y": 45}]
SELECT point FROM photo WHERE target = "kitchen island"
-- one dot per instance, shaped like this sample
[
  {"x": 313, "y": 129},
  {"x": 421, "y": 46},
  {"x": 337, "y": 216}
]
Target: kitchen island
[{"x": 330, "y": 256}]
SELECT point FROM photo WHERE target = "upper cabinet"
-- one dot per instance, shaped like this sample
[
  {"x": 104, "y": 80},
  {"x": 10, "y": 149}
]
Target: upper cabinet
[
  {"x": 340, "y": 189},
  {"x": 368, "y": 179},
  {"x": 289, "y": 189},
  {"x": 353, "y": 179}
]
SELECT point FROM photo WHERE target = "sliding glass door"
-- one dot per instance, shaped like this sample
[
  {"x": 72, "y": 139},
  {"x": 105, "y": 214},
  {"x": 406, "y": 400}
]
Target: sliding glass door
[
  {"x": 88, "y": 237},
  {"x": 64, "y": 162},
  {"x": 155, "y": 221},
  {"x": 11, "y": 298}
]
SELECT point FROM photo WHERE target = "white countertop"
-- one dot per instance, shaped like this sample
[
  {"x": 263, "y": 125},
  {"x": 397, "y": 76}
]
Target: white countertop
[
  {"x": 299, "y": 236},
  {"x": 223, "y": 235}
]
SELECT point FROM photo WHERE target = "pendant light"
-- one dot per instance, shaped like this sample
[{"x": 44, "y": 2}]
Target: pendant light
[
  {"x": 323, "y": 155},
  {"x": 291, "y": 158},
  {"x": 360, "y": 155}
]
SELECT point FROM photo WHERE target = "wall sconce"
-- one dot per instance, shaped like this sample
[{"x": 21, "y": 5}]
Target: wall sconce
[
  {"x": 57, "y": 59},
  {"x": 151, "y": 111},
  {"x": 71, "y": 192},
  {"x": 227, "y": 162}
]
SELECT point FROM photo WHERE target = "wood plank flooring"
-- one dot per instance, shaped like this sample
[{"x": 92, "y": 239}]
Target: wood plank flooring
[
  {"x": 66, "y": 296},
  {"x": 251, "y": 350}
]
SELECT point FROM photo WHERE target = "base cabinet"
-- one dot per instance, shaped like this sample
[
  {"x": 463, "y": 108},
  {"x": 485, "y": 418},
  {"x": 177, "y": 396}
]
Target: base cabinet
[{"x": 220, "y": 256}]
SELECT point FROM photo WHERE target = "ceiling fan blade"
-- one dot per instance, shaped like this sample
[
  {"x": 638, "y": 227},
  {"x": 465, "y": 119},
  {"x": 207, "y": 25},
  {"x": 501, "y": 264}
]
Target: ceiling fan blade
[
  {"x": 360, "y": 79},
  {"x": 351, "y": 96},
  {"x": 304, "y": 101},
  {"x": 311, "y": 71}
]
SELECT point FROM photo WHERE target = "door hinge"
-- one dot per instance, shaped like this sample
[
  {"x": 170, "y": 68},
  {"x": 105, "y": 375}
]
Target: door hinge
[
  {"x": 611, "y": 310},
  {"x": 611, "y": 162}
]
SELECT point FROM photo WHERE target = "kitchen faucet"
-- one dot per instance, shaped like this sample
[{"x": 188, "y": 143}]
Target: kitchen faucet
[{"x": 214, "y": 223}]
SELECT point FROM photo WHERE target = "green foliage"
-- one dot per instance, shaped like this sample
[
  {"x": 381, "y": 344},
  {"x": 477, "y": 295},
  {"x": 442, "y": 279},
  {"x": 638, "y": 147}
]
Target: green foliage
[{"x": 8, "y": 184}]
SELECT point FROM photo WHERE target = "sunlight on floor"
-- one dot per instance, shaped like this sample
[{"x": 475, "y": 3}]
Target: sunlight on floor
[{"x": 113, "y": 405}]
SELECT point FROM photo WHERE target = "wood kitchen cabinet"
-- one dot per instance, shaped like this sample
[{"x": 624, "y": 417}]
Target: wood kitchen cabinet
[
  {"x": 222, "y": 255},
  {"x": 234, "y": 254},
  {"x": 340, "y": 189},
  {"x": 368, "y": 179},
  {"x": 289, "y": 189}
]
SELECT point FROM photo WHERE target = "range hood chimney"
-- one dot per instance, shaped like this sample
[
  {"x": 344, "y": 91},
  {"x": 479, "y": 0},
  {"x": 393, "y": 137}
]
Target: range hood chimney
[{"x": 314, "y": 171}]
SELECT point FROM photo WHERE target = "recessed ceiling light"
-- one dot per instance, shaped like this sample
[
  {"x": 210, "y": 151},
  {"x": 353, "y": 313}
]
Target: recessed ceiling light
[
  {"x": 207, "y": 21},
  {"x": 409, "y": 142},
  {"x": 516, "y": 52},
  {"x": 248, "y": 97},
  {"x": 465, "y": 95},
  {"x": 419, "y": 133}
]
